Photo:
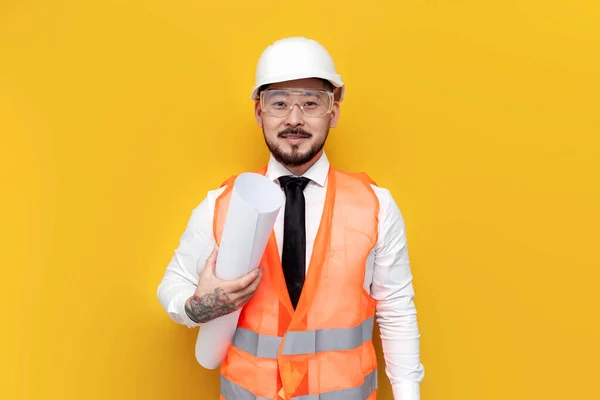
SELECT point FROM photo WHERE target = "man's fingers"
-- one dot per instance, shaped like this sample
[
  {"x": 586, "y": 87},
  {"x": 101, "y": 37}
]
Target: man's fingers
[
  {"x": 241, "y": 302},
  {"x": 243, "y": 282},
  {"x": 210, "y": 263},
  {"x": 250, "y": 289}
]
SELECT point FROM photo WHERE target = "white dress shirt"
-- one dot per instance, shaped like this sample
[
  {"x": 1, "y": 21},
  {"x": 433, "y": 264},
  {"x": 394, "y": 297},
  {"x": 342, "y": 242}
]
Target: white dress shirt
[{"x": 388, "y": 276}]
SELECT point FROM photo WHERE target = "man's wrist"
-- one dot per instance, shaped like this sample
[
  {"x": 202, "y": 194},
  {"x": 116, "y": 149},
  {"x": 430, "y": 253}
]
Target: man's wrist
[{"x": 188, "y": 308}]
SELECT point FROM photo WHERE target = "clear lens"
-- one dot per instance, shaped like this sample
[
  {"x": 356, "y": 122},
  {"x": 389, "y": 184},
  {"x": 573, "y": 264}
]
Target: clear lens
[{"x": 313, "y": 103}]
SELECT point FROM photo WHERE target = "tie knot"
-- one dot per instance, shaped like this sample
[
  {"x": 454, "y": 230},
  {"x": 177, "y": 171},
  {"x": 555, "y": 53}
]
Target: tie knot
[{"x": 291, "y": 182}]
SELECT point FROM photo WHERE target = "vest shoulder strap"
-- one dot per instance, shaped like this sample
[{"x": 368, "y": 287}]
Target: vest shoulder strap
[{"x": 361, "y": 176}]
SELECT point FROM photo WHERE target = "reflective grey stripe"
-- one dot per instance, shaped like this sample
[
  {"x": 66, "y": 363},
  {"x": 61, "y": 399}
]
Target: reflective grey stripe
[
  {"x": 303, "y": 342},
  {"x": 331, "y": 339},
  {"x": 232, "y": 391},
  {"x": 263, "y": 346},
  {"x": 357, "y": 393}
]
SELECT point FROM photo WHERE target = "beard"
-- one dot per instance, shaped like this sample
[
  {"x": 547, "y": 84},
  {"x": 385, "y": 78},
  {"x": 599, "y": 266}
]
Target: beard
[{"x": 295, "y": 158}]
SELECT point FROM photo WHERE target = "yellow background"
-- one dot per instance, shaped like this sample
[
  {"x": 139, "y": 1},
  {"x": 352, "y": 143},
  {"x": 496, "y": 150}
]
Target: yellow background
[{"x": 481, "y": 117}]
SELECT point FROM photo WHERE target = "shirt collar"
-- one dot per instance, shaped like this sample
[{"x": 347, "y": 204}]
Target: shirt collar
[{"x": 317, "y": 173}]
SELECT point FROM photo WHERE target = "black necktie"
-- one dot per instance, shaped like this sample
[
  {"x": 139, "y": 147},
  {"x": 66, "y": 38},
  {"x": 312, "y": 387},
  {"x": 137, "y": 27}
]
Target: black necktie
[{"x": 293, "y": 258}]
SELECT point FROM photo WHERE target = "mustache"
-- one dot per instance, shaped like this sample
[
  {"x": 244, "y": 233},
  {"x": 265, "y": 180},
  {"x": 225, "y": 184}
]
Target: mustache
[{"x": 294, "y": 131}]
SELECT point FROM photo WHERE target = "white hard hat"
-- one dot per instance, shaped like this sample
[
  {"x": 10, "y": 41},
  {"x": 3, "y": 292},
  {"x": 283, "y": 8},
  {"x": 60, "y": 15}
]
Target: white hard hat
[{"x": 295, "y": 58}]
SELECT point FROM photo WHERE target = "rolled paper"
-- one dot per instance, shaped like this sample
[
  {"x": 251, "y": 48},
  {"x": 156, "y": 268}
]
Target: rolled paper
[{"x": 253, "y": 208}]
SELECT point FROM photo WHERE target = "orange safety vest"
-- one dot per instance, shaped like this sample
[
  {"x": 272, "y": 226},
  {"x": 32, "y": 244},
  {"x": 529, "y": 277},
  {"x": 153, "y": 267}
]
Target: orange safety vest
[{"x": 323, "y": 350}]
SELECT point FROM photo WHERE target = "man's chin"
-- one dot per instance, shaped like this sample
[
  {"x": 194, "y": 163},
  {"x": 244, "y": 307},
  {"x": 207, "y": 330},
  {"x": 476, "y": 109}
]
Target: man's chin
[
  {"x": 293, "y": 155},
  {"x": 294, "y": 158}
]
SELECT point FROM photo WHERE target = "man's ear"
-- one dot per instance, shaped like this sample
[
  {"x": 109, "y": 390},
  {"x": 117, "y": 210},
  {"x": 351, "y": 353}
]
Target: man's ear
[
  {"x": 258, "y": 113},
  {"x": 335, "y": 114}
]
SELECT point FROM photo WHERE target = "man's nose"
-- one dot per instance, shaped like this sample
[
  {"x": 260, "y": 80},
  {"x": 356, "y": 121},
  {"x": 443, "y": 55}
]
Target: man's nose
[{"x": 295, "y": 117}]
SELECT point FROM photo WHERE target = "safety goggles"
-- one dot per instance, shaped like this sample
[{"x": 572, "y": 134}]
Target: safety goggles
[{"x": 313, "y": 103}]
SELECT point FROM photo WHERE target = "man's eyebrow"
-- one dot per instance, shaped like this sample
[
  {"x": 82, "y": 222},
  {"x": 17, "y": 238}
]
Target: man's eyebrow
[{"x": 311, "y": 92}]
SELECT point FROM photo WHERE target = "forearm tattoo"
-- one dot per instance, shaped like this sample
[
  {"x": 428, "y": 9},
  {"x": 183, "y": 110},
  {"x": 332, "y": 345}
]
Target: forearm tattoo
[{"x": 210, "y": 306}]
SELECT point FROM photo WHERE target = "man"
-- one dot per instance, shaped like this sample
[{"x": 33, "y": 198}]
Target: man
[{"x": 336, "y": 262}]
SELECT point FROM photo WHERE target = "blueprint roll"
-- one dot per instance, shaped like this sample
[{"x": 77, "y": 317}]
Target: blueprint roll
[{"x": 253, "y": 208}]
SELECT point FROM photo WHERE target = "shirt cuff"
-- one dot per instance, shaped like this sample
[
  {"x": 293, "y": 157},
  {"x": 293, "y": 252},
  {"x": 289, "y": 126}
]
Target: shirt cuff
[
  {"x": 176, "y": 308},
  {"x": 406, "y": 390}
]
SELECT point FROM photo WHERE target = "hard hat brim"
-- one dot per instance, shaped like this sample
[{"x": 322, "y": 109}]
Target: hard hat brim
[{"x": 335, "y": 81}]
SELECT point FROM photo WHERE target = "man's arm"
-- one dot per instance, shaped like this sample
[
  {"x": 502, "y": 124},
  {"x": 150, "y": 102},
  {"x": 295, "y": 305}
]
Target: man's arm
[
  {"x": 396, "y": 313},
  {"x": 182, "y": 274},
  {"x": 190, "y": 291}
]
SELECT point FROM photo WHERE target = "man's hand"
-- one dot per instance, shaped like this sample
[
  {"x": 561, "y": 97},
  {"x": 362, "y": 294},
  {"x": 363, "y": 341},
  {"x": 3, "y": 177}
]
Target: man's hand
[{"x": 214, "y": 297}]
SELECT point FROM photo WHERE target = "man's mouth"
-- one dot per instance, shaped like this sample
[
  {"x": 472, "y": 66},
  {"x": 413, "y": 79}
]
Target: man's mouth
[{"x": 294, "y": 136}]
